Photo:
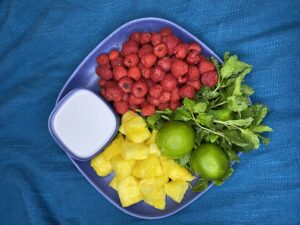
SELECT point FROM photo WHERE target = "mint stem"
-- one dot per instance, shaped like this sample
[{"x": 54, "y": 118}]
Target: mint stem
[{"x": 222, "y": 103}]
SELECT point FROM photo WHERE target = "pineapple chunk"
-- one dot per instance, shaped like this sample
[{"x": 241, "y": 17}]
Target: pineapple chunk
[
  {"x": 161, "y": 180},
  {"x": 153, "y": 193},
  {"x": 134, "y": 127},
  {"x": 147, "y": 168},
  {"x": 151, "y": 140},
  {"x": 114, "y": 148},
  {"x": 125, "y": 118},
  {"x": 122, "y": 167},
  {"x": 128, "y": 190},
  {"x": 153, "y": 149},
  {"x": 176, "y": 189},
  {"x": 101, "y": 166},
  {"x": 175, "y": 172},
  {"x": 134, "y": 151},
  {"x": 160, "y": 201},
  {"x": 113, "y": 183}
]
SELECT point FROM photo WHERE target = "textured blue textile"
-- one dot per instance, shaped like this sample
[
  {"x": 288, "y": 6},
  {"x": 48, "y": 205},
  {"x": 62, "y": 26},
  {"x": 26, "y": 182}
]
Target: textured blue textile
[{"x": 42, "y": 42}]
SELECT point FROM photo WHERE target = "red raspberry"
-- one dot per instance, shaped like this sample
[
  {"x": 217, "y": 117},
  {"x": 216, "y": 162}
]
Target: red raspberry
[
  {"x": 103, "y": 59},
  {"x": 121, "y": 107},
  {"x": 102, "y": 82},
  {"x": 102, "y": 92},
  {"x": 148, "y": 110},
  {"x": 104, "y": 72},
  {"x": 110, "y": 84},
  {"x": 135, "y": 36},
  {"x": 169, "y": 82},
  {"x": 131, "y": 60},
  {"x": 165, "y": 63},
  {"x": 133, "y": 107},
  {"x": 209, "y": 79},
  {"x": 133, "y": 100},
  {"x": 148, "y": 60},
  {"x": 165, "y": 31},
  {"x": 187, "y": 91},
  {"x": 171, "y": 41},
  {"x": 114, "y": 93},
  {"x": 195, "y": 84},
  {"x": 182, "y": 79},
  {"x": 160, "y": 50},
  {"x": 156, "y": 91},
  {"x": 118, "y": 61},
  {"x": 144, "y": 50},
  {"x": 165, "y": 97},
  {"x": 134, "y": 73},
  {"x": 145, "y": 71},
  {"x": 153, "y": 101},
  {"x": 125, "y": 97},
  {"x": 180, "y": 51},
  {"x": 193, "y": 58},
  {"x": 179, "y": 68},
  {"x": 119, "y": 72},
  {"x": 193, "y": 73},
  {"x": 157, "y": 74},
  {"x": 205, "y": 66},
  {"x": 155, "y": 38},
  {"x": 143, "y": 104},
  {"x": 174, "y": 105},
  {"x": 140, "y": 88},
  {"x": 129, "y": 47},
  {"x": 175, "y": 95},
  {"x": 145, "y": 38},
  {"x": 194, "y": 46},
  {"x": 163, "y": 106},
  {"x": 125, "y": 83},
  {"x": 150, "y": 83},
  {"x": 113, "y": 54}
]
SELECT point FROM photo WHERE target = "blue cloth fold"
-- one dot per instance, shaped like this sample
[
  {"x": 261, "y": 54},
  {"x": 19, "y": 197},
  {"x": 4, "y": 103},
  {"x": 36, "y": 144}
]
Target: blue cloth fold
[{"x": 42, "y": 42}]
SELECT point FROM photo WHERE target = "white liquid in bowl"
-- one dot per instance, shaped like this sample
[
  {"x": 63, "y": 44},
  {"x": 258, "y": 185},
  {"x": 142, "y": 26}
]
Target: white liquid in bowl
[{"x": 84, "y": 123}]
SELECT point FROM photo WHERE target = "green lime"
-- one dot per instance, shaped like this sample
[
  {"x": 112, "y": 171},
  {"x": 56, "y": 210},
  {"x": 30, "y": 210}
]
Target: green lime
[
  {"x": 210, "y": 161},
  {"x": 175, "y": 139},
  {"x": 222, "y": 114}
]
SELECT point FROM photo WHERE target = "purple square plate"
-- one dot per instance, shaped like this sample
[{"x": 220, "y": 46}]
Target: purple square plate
[{"x": 85, "y": 77}]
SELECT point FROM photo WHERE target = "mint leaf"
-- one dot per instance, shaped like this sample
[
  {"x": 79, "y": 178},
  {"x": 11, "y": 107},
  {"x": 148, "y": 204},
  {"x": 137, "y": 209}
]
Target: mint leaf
[
  {"x": 208, "y": 94},
  {"x": 205, "y": 119},
  {"x": 200, "y": 135},
  {"x": 261, "y": 129},
  {"x": 151, "y": 120},
  {"x": 226, "y": 56},
  {"x": 189, "y": 104},
  {"x": 246, "y": 90},
  {"x": 241, "y": 123},
  {"x": 167, "y": 111},
  {"x": 257, "y": 112},
  {"x": 200, "y": 186},
  {"x": 182, "y": 114},
  {"x": 199, "y": 107},
  {"x": 266, "y": 141},
  {"x": 213, "y": 137},
  {"x": 184, "y": 160},
  {"x": 233, "y": 66},
  {"x": 235, "y": 137},
  {"x": 239, "y": 80},
  {"x": 237, "y": 103},
  {"x": 251, "y": 138},
  {"x": 232, "y": 155}
]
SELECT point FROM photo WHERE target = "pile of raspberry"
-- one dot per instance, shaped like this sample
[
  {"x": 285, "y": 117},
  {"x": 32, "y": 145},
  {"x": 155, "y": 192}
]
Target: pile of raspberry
[{"x": 153, "y": 71}]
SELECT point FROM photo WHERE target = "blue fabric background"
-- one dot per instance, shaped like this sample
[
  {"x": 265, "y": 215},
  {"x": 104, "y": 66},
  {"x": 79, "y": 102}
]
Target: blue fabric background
[{"x": 42, "y": 42}]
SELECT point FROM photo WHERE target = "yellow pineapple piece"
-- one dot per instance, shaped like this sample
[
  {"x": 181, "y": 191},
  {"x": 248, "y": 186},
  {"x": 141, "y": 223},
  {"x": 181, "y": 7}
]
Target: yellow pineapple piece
[
  {"x": 161, "y": 180},
  {"x": 153, "y": 149},
  {"x": 122, "y": 167},
  {"x": 153, "y": 193},
  {"x": 132, "y": 150},
  {"x": 149, "y": 167},
  {"x": 129, "y": 191},
  {"x": 151, "y": 140},
  {"x": 175, "y": 172},
  {"x": 160, "y": 199},
  {"x": 101, "y": 166},
  {"x": 125, "y": 118},
  {"x": 176, "y": 189},
  {"x": 113, "y": 183},
  {"x": 114, "y": 148}
]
